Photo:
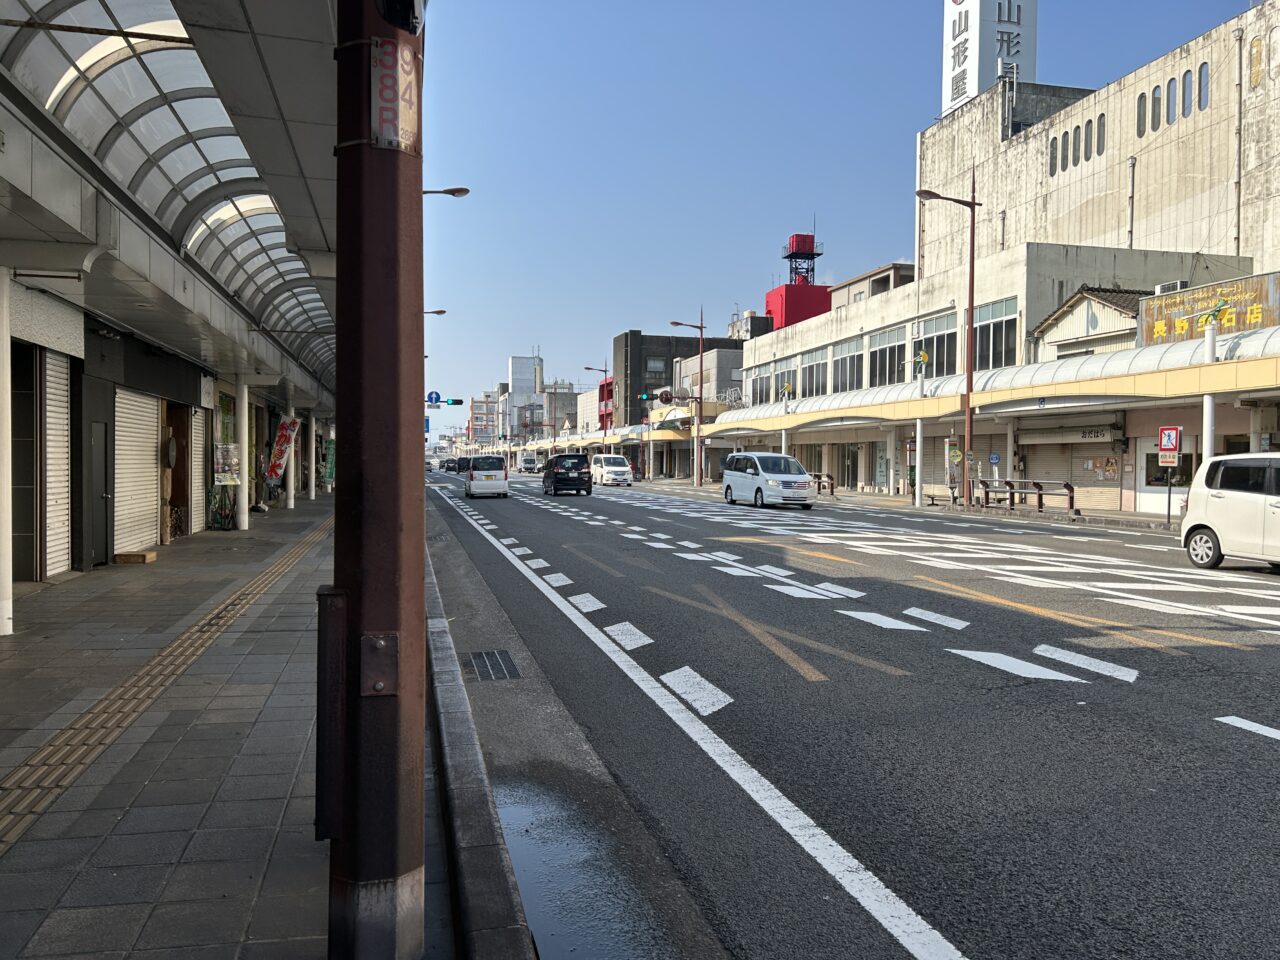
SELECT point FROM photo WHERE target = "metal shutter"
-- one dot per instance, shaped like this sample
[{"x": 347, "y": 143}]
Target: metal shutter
[
  {"x": 1092, "y": 492},
  {"x": 199, "y": 469},
  {"x": 137, "y": 487},
  {"x": 57, "y": 463}
]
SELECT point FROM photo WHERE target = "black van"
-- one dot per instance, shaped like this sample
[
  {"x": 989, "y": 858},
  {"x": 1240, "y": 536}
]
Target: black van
[{"x": 567, "y": 471}]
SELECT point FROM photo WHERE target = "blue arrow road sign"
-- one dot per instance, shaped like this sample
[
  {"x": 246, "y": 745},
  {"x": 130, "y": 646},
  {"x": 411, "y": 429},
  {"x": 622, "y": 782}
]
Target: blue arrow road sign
[
  {"x": 426, "y": 424},
  {"x": 994, "y": 459},
  {"x": 433, "y": 397}
]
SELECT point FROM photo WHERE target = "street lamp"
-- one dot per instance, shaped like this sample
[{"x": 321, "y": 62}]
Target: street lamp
[
  {"x": 448, "y": 192},
  {"x": 605, "y": 371},
  {"x": 434, "y": 313},
  {"x": 972, "y": 204},
  {"x": 701, "y": 327}
]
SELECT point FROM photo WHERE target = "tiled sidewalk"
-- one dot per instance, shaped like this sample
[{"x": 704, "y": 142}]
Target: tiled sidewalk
[{"x": 191, "y": 835}]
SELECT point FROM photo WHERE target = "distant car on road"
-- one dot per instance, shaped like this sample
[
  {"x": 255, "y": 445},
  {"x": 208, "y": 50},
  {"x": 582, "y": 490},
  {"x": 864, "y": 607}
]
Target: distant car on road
[
  {"x": 428, "y": 466},
  {"x": 567, "y": 471},
  {"x": 528, "y": 465},
  {"x": 464, "y": 464},
  {"x": 768, "y": 478},
  {"x": 1233, "y": 510},
  {"x": 451, "y": 465},
  {"x": 486, "y": 477},
  {"x": 609, "y": 469}
]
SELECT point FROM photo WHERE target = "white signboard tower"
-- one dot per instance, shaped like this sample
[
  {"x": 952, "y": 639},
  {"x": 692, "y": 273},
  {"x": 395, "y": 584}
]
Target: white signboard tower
[{"x": 980, "y": 40}]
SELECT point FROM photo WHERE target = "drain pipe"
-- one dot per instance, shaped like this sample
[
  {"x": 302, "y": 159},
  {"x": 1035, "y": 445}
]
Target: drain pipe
[
  {"x": 1133, "y": 168},
  {"x": 1238, "y": 36},
  {"x": 6, "y": 462}
]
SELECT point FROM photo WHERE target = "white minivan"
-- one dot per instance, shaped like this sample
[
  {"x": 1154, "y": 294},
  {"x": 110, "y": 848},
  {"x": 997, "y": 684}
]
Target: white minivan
[
  {"x": 768, "y": 478},
  {"x": 1233, "y": 509},
  {"x": 609, "y": 468},
  {"x": 486, "y": 476}
]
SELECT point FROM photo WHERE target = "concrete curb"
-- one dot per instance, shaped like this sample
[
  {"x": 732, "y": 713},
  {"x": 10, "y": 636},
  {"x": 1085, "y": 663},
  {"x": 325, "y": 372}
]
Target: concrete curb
[
  {"x": 1119, "y": 523},
  {"x": 489, "y": 919}
]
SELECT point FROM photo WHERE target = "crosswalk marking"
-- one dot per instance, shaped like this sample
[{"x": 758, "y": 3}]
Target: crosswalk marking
[
  {"x": 738, "y": 572},
  {"x": 937, "y": 618},
  {"x": 1127, "y": 674},
  {"x": 880, "y": 620}
]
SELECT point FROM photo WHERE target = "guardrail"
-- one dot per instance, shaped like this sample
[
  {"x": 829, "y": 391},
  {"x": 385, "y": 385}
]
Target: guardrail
[
  {"x": 825, "y": 480},
  {"x": 1009, "y": 493}
]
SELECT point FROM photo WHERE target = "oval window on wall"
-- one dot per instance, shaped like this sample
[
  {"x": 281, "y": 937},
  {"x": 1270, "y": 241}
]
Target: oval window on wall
[
  {"x": 1171, "y": 102},
  {"x": 1075, "y": 147},
  {"x": 1088, "y": 140},
  {"x": 1053, "y": 158},
  {"x": 1204, "y": 87},
  {"x": 1142, "y": 114},
  {"x": 1066, "y": 149},
  {"x": 1102, "y": 133},
  {"x": 1255, "y": 63},
  {"x": 1187, "y": 94},
  {"x": 1156, "y": 110}
]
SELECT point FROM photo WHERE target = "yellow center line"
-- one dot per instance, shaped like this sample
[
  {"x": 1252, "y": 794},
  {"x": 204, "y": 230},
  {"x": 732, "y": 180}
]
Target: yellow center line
[{"x": 1108, "y": 627}]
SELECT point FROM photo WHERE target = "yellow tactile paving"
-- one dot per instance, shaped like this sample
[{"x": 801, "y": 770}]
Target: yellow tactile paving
[{"x": 35, "y": 784}]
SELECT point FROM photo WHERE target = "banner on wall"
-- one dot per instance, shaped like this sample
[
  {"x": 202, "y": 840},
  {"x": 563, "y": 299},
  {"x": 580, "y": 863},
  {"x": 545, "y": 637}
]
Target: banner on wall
[
  {"x": 226, "y": 464},
  {"x": 330, "y": 459},
  {"x": 283, "y": 446}
]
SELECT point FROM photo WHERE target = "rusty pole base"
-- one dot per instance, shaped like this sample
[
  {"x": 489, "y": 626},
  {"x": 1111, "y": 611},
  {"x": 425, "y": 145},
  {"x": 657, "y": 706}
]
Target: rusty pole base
[{"x": 377, "y": 919}]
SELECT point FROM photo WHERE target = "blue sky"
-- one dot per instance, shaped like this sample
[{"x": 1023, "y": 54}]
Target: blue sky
[{"x": 630, "y": 161}]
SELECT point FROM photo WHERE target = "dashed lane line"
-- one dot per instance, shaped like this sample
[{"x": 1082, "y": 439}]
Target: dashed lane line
[
  {"x": 938, "y": 618},
  {"x": 1019, "y": 668},
  {"x": 695, "y": 690},
  {"x": 1104, "y": 667},
  {"x": 906, "y": 926},
  {"x": 1249, "y": 725}
]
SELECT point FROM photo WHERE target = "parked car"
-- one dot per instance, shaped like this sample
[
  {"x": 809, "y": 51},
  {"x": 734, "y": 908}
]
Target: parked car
[
  {"x": 567, "y": 471},
  {"x": 451, "y": 465},
  {"x": 486, "y": 476},
  {"x": 528, "y": 465},
  {"x": 1233, "y": 510},
  {"x": 768, "y": 478},
  {"x": 610, "y": 469},
  {"x": 428, "y": 466},
  {"x": 464, "y": 464},
  {"x": 541, "y": 465}
]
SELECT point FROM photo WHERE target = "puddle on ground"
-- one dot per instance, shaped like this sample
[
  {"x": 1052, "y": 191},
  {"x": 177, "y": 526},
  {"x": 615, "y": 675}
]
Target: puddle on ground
[{"x": 577, "y": 900}]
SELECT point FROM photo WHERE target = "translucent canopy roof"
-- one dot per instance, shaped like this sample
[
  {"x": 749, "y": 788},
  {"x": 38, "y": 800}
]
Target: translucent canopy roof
[{"x": 145, "y": 109}]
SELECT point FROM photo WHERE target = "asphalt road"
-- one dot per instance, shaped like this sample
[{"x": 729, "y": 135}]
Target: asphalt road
[{"x": 873, "y": 733}]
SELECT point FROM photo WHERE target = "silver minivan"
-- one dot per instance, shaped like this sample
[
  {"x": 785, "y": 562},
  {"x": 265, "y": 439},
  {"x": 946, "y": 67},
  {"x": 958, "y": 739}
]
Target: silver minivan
[
  {"x": 1233, "y": 509},
  {"x": 768, "y": 478}
]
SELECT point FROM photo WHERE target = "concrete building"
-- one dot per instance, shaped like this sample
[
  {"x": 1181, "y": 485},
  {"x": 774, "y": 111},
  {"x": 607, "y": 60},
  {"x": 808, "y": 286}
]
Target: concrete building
[
  {"x": 523, "y": 384},
  {"x": 721, "y": 375},
  {"x": 588, "y": 410},
  {"x": 559, "y": 402},
  {"x": 482, "y": 424},
  {"x": 645, "y": 363}
]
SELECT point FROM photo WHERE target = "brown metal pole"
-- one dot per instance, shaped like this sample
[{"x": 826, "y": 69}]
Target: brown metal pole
[
  {"x": 376, "y": 858},
  {"x": 702, "y": 326},
  {"x": 968, "y": 338}
]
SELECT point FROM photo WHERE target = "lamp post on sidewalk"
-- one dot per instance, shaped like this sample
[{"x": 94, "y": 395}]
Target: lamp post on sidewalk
[
  {"x": 604, "y": 370},
  {"x": 701, "y": 327},
  {"x": 972, "y": 205}
]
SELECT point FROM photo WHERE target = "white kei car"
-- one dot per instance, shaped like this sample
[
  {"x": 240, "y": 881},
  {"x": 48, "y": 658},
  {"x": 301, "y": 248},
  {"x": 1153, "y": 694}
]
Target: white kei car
[
  {"x": 611, "y": 470},
  {"x": 1233, "y": 510},
  {"x": 486, "y": 477}
]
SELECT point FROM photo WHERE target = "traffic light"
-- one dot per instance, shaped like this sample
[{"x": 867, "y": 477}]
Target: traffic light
[
  {"x": 453, "y": 402},
  {"x": 644, "y": 396}
]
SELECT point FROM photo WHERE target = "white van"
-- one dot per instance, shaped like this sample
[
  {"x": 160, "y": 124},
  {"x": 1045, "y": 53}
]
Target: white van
[
  {"x": 1233, "y": 509},
  {"x": 486, "y": 476},
  {"x": 768, "y": 478},
  {"x": 609, "y": 468}
]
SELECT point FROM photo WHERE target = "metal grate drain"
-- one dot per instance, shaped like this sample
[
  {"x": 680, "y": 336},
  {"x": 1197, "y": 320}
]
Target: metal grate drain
[{"x": 494, "y": 665}]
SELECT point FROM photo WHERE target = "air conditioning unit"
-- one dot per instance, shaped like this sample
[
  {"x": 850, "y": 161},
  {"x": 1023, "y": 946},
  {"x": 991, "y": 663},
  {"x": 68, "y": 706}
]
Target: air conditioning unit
[{"x": 1173, "y": 286}]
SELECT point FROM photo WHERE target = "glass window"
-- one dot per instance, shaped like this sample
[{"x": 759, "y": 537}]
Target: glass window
[
  {"x": 1088, "y": 140},
  {"x": 655, "y": 365},
  {"x": 1187, "y": 93},
  {"x": 1066, "y": 149},
  {"x": 789, "y": 466},
  {"x": 1179, "y": 476},
  {"x": 1243, "y": 476},
  {"x": 488, "y": 463},
  {"x": 1171, "y": 102},
  {"x": 784, "y": 383},
  {"x": 1053, "y": 156},
  {"x": 1142, "y": 114},
  {"x": 1204, "y": 87},
  {"x": 1156, "y": 111},
  {"x": 1102, "y": 133},
  {"x": 1075, "y": 147}
]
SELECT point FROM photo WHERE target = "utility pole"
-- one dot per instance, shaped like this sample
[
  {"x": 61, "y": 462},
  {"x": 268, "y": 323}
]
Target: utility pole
[{"x": 372, "y": 626}]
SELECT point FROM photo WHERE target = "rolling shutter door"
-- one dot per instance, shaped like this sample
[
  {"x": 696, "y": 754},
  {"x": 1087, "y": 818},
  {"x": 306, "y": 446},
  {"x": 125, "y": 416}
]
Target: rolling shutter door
[
  {"x": 137, "y": 487},
  {"x": 57, "y": 463},
  {"x": 1093, "y": 492},
  {"x": 199, "y": 472}
]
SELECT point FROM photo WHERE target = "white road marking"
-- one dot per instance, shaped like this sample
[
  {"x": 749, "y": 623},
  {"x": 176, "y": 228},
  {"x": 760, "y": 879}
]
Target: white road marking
[
  {"x": 1155, "y": 605},
  {"x": 1264, "y": 611},
  {"x": 521, "y": 551},
  {"x": 1147, "y": 546},
  {"x": 795, "y": 590},
  {"x": 641, "y": 529},
  {"x": 490, "y": 526},
  {"x": 557, "y": 579},
  {"x": 691, "y": 546},
  {"x": 776, "y": 571},
  {"x": 880, "y": 620},
  {"x": 1252, "y": 727},
  {"x": 617, "y": 523},
  {"x": 1021, "y": 668},
  {"x": 699, "y": 693},
  {"x": 739, "y": 572},
  {"x": 662, "y": 536},
  {"x": 726, "y": 556},
  {"x": 633, "y": 536},
  {"x": 937, "y": 618},
  {"x": 1127, "y": 674},
  {"x": 697, "y": 556},
  {"x": 628, "y": 636},
  {"x": 658, "y": 546},
  {"x": 1134, "y": 585},
  {"x": 508, "y": 541},
  {"x": 1031, "y": 582},
  {"x": 841, "y": 591},
  {"x": 537, "y": 564},
  {"x": 586, "y": 603},
  {"x": 594, "y": 523}
]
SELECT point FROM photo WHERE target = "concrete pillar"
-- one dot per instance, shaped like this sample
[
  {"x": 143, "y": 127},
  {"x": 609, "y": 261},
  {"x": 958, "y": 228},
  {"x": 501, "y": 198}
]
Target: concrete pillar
[
  {"x": 1009, "y": 430},
  {"x": 290, "y": 473},
  {"x": 244, "y": 492},
  {"x": 1207, "y": 428},
  {"x": 311, "y": 456},
  {"x": 6, "y": 462},
  {"x": 826, "y": 462},
  {"x": 1255, "y": 430},
  {"x": 784, "y": 443},
  {"x": 919, "y": 461},
  {"x": 891, "y": 444}
]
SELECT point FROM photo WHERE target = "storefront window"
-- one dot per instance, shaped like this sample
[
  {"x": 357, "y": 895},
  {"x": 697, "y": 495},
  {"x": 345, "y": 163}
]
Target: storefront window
[{"x": 1158, "y": 476}]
